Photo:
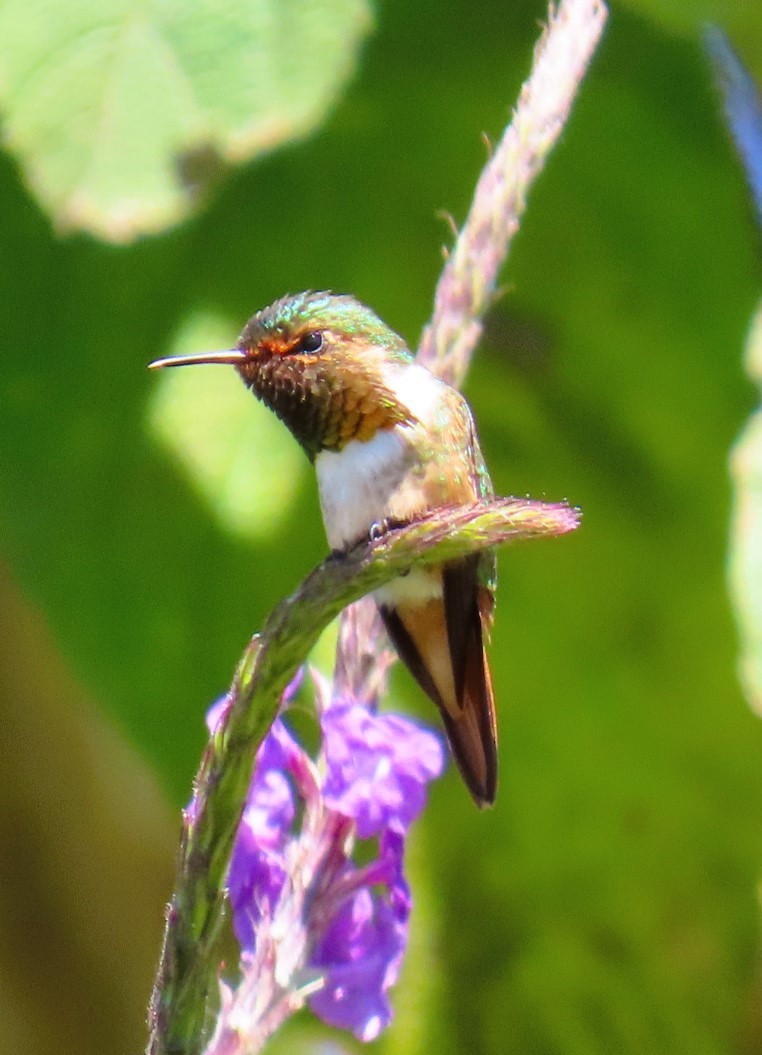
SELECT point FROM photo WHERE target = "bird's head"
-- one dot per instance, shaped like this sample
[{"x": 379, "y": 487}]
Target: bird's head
[{"x": 322, "y": 363}]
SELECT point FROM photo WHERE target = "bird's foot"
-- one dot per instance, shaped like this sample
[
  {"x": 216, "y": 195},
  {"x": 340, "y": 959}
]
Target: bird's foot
[{"x": 380, "y": 528}]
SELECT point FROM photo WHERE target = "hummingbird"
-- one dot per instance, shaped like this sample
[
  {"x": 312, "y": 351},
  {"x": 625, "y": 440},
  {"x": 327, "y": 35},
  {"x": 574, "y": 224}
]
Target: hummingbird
[{"x": 390, "y": 442}]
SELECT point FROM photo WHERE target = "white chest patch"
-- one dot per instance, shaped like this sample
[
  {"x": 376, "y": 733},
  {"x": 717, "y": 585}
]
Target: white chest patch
[
  {"x": 365, "y": 483},
  {"x": 356, "y": 483}
]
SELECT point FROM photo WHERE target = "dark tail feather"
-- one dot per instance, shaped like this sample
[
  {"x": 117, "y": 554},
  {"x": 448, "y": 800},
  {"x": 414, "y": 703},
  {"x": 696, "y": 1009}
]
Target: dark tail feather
[
  {"x": 472, "y": 733},
  {"x": 465, "y": 698},
  {"x": 472, "y": 723}
]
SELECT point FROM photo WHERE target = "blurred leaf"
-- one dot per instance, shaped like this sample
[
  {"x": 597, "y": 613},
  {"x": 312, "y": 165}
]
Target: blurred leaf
[
  {"x": 236, "y": 452},
  {"x": 122, "y": 114},
  {"x": 746, "y": 533},
  {"x": 743, "y": 112}
]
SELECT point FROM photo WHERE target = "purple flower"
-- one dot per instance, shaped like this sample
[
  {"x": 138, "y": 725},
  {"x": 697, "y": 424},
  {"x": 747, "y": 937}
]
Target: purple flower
[
  {"x": 257, "y": 875},
  {"x": 362, "y": 952},
  {"x": 257, "y": 867},
  {"x": 304, "y": 910},
  {"x": 378, "y": 766}
]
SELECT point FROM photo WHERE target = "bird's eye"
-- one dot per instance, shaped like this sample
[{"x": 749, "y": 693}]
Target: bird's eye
[{"x": 311, "y": 342}]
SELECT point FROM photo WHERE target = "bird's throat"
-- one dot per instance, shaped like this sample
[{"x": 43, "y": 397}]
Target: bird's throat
[{"x": 324, "y": 408}]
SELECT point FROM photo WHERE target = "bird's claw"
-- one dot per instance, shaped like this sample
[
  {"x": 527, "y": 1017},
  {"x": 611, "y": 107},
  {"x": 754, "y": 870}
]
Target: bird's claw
[{"x": 380, "y": 528}]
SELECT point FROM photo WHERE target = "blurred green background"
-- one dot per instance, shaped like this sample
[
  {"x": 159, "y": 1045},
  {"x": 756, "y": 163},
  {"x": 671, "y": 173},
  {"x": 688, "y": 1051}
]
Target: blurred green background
[{"x": 610, "y": 901}]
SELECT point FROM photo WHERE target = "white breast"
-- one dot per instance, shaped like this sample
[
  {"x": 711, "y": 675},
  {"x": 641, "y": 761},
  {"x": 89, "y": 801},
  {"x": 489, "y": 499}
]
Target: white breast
[
  {"x": 355, "y": 484},
  {"x": 365, "y": 483}
]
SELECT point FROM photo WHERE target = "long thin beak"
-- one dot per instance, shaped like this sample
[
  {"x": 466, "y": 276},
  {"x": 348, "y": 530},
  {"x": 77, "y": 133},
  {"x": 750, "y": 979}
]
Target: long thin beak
[{"x": 231, "y": 357}]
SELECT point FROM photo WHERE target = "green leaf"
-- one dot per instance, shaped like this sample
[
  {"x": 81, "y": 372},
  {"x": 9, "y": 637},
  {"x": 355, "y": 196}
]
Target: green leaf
[{"x": 122, "y": 113}]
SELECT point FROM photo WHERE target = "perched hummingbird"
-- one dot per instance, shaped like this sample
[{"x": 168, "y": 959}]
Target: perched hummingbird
[{"x": 389, "y": 442}]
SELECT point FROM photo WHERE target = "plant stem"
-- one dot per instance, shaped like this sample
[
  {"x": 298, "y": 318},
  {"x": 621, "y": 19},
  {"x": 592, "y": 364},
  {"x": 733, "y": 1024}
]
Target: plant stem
[
  {"x": 466, "y": 287},
  {"x": 187, "y": 967}
]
